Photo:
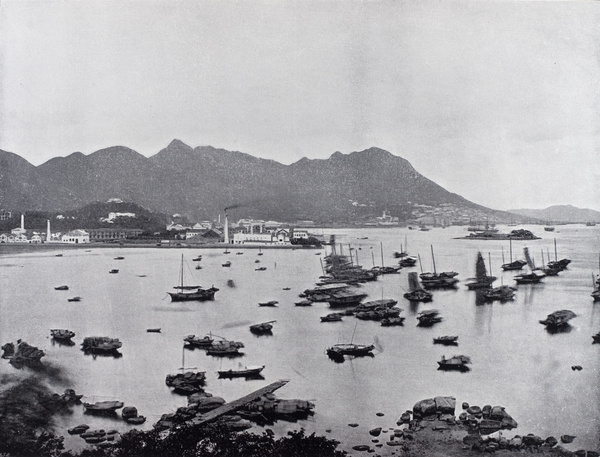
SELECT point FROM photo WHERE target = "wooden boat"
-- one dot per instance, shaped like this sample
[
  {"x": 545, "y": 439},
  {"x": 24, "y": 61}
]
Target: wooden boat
[
  {"x": 247, "y": 371},
  {"x": 357, "y": 350},
  {"x": 62, "y": 288},
  {"x": 188, "y": 382},
  {"x": 262, "y": 328},
  {"x": 197, "y": 259},
  {"x": 392, "y": 321},
  {"x": 61, "y": 334},
  {"x": 259, "y": 251},
  {"x": 196, "y": 293},
  {"x": 103, "y": 406},
  {"x": 269, "y": 303},
  {"x": 100, "y": 344},
  {"x": 428, "y": 317},
  {"x": 153, "y": 330},
  {"x": 481, "y": 280},
  {"x": 502, "y": 293},
  {"x": 558, "y": 319},
  {"x": 556, "y": 264},
  {"x": 512, "y": 265},
  {"x": 74, "y": 299},
  {"x": 332, "y": 317},
  {"x": 435, "y": 280},
  {"x": 596, "y": 338},
  {"x": 113, "y": 271},
  {"x": 23, "y": 355},
  {"x": 225, "y": 348},
  {"x": 457, "y": 362},
  {"x": 260, "y": 269},
  {"x": 446, "y": 340},
  {"x": 199, "y": 342},
  {"x": 342, "y": 298},
  {"x": 119, "y": 258},
  {"x": 303, "y": 303},
  {"x": 533, "y": 276},
  {"x": 416, "y": 292},
  {"x": 226, "y": 264}
]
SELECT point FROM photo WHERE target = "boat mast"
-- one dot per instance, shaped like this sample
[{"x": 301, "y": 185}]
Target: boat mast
[
  {"x": 373, "y": 258},
  {"x": 381, "y": 243},
  {"x": 555, "y": 255},
  {"x": 433, "y": 260},
  {"x": 510, "y": 241},
  {"x": 490, "y": 261},
  {"x": 182, "y": 272}
]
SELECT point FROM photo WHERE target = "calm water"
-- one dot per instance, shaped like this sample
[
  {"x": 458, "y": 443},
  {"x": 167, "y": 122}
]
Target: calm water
[{"x": 516, "y": 363}]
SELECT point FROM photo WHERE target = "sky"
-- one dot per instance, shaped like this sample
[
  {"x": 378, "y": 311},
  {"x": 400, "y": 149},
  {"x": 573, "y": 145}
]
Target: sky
[{"x": 496, "y": 101}]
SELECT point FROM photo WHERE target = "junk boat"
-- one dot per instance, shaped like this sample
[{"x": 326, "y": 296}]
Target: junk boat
[
  {"x": 225, "y": 348},
  {"x": 199, "y": 342},
  {"x": 100, "y": 344},
  {"x": 392, "y": 321},
  {"x": 512, "y": 265},
  {"x": 61, "y": 334},
  {"x": 481, "y": 279},
  {"x": 533, "y": 276},
  {"x": 435, "y": 280},
  {"x": 457, "y": 362},
  {"x": 62, "y": 288},
  {"x": 241, "y": 372},
  {"x": 559, "y": 319},
  {"x": 196, "y": 293},
  {"x": 556, "y": 264},
  {"x": 502, "y": 293},
  {"x": 226, "y": 264},
  {"x": 187, "y": 383},
  {"x": 596, "y": 338},
  {"x": 74, "y": 299},
  {"x": 446, "y": 340},
  {"x": 24, "y": 354},
  {"x": 343, "y": 298},
  {"x": 332, "y": 317},
  {"x": 262, "y": 328},
  {"x": 268, "y": 303},
  {"x": 103, "y": 406},
  {"x": 153, "y": 330},
  {"x": 428, "y": 317},
  {"x": 416, "y": 293},
  {"x": 356, "y": 350}
]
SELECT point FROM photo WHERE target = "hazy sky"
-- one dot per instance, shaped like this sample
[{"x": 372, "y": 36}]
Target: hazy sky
[{"x": 496, "y": 101}]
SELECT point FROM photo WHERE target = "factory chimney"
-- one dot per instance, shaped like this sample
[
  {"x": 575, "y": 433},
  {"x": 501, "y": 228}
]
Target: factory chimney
[
  {"x": 22, "y": 221},
  {"x": 48, "y": 234},
  {"x": 226, "y": 240}
]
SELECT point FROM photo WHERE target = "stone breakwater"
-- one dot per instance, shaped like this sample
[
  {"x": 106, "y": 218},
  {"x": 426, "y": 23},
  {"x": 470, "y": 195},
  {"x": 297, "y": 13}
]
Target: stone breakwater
[{"x": 432, "y": 429}]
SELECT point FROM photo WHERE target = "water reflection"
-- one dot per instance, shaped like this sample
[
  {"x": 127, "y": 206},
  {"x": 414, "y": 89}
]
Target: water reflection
[{"x": 554, "y": 330}]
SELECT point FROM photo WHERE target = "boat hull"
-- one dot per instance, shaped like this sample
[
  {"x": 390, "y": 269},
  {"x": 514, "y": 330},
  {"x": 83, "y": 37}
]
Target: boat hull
[{"x": 199, "y": 295}]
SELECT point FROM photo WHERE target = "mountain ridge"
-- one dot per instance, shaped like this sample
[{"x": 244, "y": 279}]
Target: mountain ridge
[{"x": 201, "y": 181}]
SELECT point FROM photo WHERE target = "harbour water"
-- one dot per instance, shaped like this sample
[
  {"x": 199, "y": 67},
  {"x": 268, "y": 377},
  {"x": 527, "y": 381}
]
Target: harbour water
[{"x": 516, "y": 363}]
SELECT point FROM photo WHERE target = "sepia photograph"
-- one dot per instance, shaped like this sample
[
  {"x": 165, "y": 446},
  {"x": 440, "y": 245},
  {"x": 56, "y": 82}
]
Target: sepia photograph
[{"x": 310, "y": 228}]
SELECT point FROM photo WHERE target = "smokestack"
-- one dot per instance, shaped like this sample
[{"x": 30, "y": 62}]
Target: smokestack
[
  {"x": 22, "y": 221},
  {"x": 48, "y": 230},
  {"x": 226, "y": 230}
]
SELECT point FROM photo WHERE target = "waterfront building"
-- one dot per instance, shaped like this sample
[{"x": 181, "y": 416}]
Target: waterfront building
[
  {"x": 110, "y": 234},
  {"x": 77, "y": 236}
]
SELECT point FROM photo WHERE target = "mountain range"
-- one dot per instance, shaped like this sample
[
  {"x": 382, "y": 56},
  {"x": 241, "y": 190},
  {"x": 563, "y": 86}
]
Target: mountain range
[
  {"x": 202, "y": 182},
  {"x": 560, "y": 213}
]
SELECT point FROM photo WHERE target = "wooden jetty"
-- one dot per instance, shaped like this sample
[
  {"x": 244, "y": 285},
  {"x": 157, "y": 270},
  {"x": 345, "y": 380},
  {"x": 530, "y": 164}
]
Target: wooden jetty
[{"x": 236, "y": 404}]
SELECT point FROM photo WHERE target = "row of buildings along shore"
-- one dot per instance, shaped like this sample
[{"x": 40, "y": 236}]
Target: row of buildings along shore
[{"x": 245, "y": 231}]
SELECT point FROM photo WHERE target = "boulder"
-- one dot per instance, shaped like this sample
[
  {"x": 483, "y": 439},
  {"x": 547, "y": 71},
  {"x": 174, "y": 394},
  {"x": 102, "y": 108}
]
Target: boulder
[
  {"x": 593, "y": 454},
  {"x": 465, "y": 405},
  {"x": 209, "y": 403},
  {"x": 567, "y": 438},
  {"x": 475, "y": 411},
  {"x": 129, "y": 411},
  {"x": 486, "y": 411},
  {"x": 375, "y": 431},
  {"x": 499, "y": 414},
  {"x": 487, "y": 426},
  {"x": 516, "y": 442},
  {"x": 580, "y": 453},
  {"x": 532, "y": 440},
  {"x": 399, "y": 433},
  {"x": 424, "y": 408},
  {"x": 445, "y": 405},
  {"x": 463, "y": 417},
  {"x": 551, "y": 441},
  {"x": 471, "y": 439}
]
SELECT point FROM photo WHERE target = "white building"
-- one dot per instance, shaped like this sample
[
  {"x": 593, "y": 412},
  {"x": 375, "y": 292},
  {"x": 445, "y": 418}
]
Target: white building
[
  {"x": 76, "y": 237},
  {"x": 279, "y": 237}
]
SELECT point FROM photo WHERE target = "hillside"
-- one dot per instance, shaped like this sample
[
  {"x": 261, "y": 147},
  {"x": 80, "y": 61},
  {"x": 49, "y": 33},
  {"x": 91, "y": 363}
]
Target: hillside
[
  {"x": 201, "y": 182},
  {"x": 561, "y": 213}
]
